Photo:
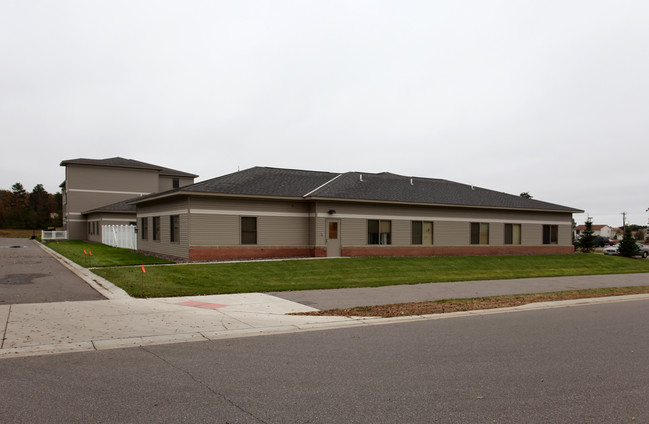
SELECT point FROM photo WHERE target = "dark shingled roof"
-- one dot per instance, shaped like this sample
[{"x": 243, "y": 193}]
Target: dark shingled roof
[
  {"x": 397, "y": 188},
  {"x": 127, "y": 163},
  {"x": 122, "y": 206},
  {"x": 261, "y": 181},
  {"x": 383, "y": 187}
]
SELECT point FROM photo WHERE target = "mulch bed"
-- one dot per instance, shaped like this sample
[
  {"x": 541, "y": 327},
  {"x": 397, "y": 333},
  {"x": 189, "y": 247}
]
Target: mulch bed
[{"x": 458, "y": 305}]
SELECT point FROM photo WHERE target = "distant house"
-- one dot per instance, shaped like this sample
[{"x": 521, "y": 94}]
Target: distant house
[
  {"x": 616, "y": 234},
  {"x": 276, "y": 213},
  {"x": 94, "y": 191},
  {"x": 598, "y": 230}
]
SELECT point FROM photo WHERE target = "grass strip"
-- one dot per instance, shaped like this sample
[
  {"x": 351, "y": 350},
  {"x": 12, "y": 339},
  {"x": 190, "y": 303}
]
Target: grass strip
[
  {"x": 101, "y": 255},
  {"x": 246, "y": 277},
  {"x": 473, "y": 304},
  {"x": 19, "y": 233}
]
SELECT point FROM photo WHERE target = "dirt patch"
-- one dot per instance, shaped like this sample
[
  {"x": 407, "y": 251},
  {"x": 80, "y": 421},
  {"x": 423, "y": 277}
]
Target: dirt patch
[{"x": 458, "y": 305}]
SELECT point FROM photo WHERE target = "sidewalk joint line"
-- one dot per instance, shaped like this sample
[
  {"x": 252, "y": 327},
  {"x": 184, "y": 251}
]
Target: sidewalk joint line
[{"x": 4, "y": 334}]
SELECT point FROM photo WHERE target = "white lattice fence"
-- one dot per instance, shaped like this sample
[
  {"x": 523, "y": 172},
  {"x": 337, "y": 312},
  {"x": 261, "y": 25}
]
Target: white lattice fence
[
  {"x": 119, "y": 236},
  {"x": 54, "y": 235}
]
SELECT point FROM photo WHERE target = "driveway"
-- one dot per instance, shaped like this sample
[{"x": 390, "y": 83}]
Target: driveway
[{"x": 28, "y": 274}]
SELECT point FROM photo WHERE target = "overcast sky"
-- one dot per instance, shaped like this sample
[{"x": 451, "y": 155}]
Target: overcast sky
[{"x": 545, "y": 97}]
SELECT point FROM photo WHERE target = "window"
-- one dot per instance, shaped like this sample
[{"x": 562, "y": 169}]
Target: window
[
  {"x": 512, "y": 233},
  {"x": 145, "y": 228},
  {"x": 89, "y": 228},
  {"x": 379, "y": 232},
  {"x": 479, "y": 233},
  {"x": 174, "y": 228},
  {"x": 156, "y": 228},
  {"x": 175, "y": 182},
  {"x": 248, "y": 230},
  {"x": 333, "y": 230},
  {"x": 422, "y": 232},
  {"x": 550, "y": 234}
]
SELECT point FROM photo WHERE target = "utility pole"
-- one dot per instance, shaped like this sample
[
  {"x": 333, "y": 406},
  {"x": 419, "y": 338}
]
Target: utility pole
[{"x": 624, "y": 220}]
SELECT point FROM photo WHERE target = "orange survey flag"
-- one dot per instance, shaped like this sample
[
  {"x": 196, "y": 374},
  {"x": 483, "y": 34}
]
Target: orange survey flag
[
  {"x": 84, "y": 252},
  {"x": 90, "y": 252},
  {"x": 143, "y": 270}
]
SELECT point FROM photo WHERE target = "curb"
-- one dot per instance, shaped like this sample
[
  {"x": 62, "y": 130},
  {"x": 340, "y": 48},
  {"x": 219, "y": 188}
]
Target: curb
[
  {"x": 101, "y": 285},
  {"x": 345, "y": 322}
]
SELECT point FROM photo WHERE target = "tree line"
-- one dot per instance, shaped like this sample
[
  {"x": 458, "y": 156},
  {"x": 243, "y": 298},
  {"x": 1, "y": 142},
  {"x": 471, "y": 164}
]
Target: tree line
[{"x": 36, "y": 210}]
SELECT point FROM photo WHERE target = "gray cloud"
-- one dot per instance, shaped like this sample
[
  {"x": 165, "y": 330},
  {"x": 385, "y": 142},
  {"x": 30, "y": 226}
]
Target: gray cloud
[{"x": 546, "y": 97}]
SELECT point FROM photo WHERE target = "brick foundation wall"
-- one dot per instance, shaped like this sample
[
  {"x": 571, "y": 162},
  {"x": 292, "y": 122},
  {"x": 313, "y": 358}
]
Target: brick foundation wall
[{"x": 224, "y": 253}]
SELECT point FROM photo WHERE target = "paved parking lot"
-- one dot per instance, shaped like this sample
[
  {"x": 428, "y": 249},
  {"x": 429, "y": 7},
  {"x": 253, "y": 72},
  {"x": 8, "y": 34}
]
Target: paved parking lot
[{"x": 28, "y": 274}]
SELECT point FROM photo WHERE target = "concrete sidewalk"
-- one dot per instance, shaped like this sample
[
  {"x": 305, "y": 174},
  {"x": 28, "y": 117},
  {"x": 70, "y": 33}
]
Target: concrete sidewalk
[
  {"x": 122, "y": 321},
  {"x": 369, "y": 296},
  {"x": 46, "y": 328}
]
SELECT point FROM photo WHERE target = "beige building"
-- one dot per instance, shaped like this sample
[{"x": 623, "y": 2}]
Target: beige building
[
  {"x": 275, "y": 213},
  {"x": 598, "y": 230},
  {"x": 94, "y": 192}
]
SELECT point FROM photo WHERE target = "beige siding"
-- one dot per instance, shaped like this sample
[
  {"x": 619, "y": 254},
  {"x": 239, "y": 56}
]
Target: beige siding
[
  {"x": 532, "y": 234},
  {"x": 401, "y": 233},
  {"x": 83, "y": 202},
  {"x": 282, "y": 231},
  {"x": 248, "y": 207},
  {"x": 496, "y": 233},
  {"x": 279, "y": 223},
  {"x": 451, "y": 233},
  {"x": 377, "y": 211},
  {"x": 164, "y": 246},
  {"x": 565, "y": 234},
  {"x": 214, "y": 230},
  {"x": 320, "y": 231},
  {"x": 88, "y": 187},
  {"x": 168, "y": 207},
  {"x": 76, "y": 230},
  {"x": 112, "y": 179},
  {"x": 167, "y": 182},
  {"x": 216, "y": 222},
  {"x": 451, "y": 225},
  {"x": 353, "y": 232}
]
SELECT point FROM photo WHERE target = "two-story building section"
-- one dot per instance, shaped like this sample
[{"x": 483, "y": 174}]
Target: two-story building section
[{"x": 94, "y": 192}]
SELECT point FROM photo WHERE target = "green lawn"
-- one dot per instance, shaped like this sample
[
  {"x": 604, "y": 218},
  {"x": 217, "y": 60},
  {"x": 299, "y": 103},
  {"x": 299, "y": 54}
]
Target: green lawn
[
  {"x": 91, "y": 255},
  {"x": 198, "y": 279}
]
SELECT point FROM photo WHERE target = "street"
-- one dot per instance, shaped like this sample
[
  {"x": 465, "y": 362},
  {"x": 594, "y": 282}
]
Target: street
[{"x": 585, "y": 364}]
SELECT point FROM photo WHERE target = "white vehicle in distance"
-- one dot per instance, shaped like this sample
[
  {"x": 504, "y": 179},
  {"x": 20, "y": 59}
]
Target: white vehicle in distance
[{"x": 612, "y": 250}]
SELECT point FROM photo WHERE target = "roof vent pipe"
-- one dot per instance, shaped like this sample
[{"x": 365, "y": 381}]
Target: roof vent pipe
[
  {"x": 411, "y": 182},
  {"x": 361, "y": 175}
]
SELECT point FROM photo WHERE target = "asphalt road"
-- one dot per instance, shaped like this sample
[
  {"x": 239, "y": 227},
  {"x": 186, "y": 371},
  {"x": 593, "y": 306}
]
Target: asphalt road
[
  {"x": 28, "y": 274},
  {"x": 581, "y": 364}
]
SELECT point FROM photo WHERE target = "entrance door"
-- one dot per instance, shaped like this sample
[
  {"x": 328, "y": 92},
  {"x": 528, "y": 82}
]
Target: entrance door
[{"x": 332, "y": 233}]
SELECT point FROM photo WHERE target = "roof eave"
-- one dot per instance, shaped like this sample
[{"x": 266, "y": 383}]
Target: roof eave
[
  {"x": 178, "y": 174},
  {"x": 214, "y": 195},
  {"x": 105, "y": 211},
  {"x": 451, "y": 205}
]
